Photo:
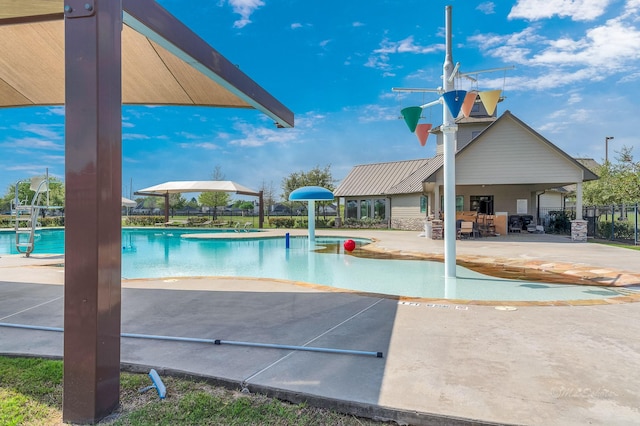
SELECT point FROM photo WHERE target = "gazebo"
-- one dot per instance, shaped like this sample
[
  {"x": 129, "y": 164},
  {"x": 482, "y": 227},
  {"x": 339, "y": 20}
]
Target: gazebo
[{"x": 178, "y": 187}]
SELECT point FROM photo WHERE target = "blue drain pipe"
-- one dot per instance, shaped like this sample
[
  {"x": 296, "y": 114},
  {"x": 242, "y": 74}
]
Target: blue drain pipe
[{"x": 212, "y": 341}]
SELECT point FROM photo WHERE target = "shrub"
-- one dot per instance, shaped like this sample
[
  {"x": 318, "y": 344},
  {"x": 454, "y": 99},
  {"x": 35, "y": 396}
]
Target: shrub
[
  {"x": 281, "y": 222},
  {"x": 621, "y": 230},
  {"x": 368, "y": 223},
  {"x": 560, "y": 222},
  {"x": 143, "y": 220}
]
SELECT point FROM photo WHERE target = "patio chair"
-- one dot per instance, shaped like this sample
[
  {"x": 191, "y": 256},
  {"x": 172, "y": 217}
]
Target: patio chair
[
  {"x": 515, "y": 225},
  {"x": 467, "y": 230}
]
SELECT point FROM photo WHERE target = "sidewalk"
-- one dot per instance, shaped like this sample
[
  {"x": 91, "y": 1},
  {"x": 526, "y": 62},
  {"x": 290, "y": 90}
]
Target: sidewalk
[{"x": 443, "y": 362}]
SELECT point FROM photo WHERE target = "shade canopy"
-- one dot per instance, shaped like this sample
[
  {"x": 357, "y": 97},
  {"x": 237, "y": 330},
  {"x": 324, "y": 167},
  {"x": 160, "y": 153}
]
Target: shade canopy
[
  {"x": 163, "y": 61},
  {"x": 311, "y": 193},
  {"x": 198, "y": 186},
  {"x": 128, "y": 203}
]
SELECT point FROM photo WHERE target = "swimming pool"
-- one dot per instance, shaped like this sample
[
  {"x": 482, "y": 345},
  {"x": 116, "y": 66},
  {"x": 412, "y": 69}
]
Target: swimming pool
[{"x": 166, "y": 253}]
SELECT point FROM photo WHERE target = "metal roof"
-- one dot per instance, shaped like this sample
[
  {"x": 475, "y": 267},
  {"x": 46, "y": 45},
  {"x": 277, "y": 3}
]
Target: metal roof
[
  {"x": 377, "y": 179},
  {"x": 413, "y": 183},
  {"x": 407, "y": 177}
]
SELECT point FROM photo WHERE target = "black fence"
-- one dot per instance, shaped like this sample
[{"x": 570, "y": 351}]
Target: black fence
[{"x": 616, "y": 222}]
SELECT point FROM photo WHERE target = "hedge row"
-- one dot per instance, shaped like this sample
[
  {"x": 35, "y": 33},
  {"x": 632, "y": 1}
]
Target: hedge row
[
  {"x": 621, "y": 230},
  {"x": 46, "y": 222},
  {"x": 291, "y": 222}
]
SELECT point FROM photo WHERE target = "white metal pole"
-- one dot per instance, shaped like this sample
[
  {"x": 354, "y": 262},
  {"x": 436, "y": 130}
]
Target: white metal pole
[
  {"x": 449, "y": 129},
  {"x": 312, "y": 222}
]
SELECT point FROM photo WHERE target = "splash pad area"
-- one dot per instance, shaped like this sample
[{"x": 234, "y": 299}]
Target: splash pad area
[{"x": 172, "y": 253}]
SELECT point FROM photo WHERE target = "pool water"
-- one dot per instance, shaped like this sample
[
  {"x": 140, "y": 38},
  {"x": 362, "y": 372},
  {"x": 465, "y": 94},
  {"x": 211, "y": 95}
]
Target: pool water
[{"x": 162, "y": 253}]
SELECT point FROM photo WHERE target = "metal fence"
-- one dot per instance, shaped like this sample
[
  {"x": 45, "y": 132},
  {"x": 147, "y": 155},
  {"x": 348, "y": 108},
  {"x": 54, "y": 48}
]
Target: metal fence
[{"x": 615, "y": 222}]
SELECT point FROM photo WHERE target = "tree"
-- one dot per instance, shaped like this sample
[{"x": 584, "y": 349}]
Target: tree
[
  {"x": 243, "y": 205},
  {"x": 268, "y": 196},
  {"x": 26, "y": 194},
  {"x": 215, "y": 199},
  {"x": 151, "y": 202},
  {"x": 176, "y": 201},
  {"x": 619, "y": 183},
  {"x": 193, "y": 203},
  {"x": 314, "y": 177}
]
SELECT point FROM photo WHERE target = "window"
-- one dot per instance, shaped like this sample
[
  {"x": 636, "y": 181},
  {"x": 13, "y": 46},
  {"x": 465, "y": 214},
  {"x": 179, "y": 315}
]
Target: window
[
  {"x": 365, "y": 209},
  {"x": 424, "y": 202},
  {"x": 380, "y": 209},
  {"x": 481, "y": 203},
  {"x": 459, "y": 203},
  {"x": 351, "y": 209}
]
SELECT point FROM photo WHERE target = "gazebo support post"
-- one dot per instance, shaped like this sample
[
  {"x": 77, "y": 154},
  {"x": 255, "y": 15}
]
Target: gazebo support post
[
  {"x": 261, "y": 210},
  {"x": 166, "y": 208},
  {"x": 93, "y": 176}
]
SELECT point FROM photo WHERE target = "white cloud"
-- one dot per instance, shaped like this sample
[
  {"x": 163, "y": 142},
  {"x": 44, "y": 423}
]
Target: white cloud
[
  {"x": 203, "y": 145},
  {"x": 49, "y": 131},
  {"x": 358, "y": 24},
  {"x": 634, "y": 76},
  {"x": 245, "y": 9},
  {"x": 577, "y": 10},
  {"x": 487, "y": 7},
  {"x": 32, "y": 143},
  {"x": 134, "y": 136},
  {"x": 296, "y": 25},
  {"x": 256, "y": 136},
  {"x": 53, "y": 158},
  {"x": 574, "y": 98},
  {"x": 609, "y": 47},
  {"x": 56, "y": 110},
  {"x": 376, "y": 113},
  {"x": 33, "y": 169},
  {"x": 602, "y": 51},
  {"x": 379, "y": 59}
]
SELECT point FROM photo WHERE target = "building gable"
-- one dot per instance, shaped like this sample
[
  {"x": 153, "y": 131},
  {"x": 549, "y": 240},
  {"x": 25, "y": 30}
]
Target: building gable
[{"x": 510, "y": 152}]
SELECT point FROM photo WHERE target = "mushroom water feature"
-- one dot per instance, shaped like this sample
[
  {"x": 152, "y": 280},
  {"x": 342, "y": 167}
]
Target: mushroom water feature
[{"x": 311, "y": 194}]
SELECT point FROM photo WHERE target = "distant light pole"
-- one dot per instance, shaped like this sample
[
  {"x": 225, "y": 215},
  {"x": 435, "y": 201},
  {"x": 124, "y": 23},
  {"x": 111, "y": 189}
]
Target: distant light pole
[{"x": 606, "y": 148}]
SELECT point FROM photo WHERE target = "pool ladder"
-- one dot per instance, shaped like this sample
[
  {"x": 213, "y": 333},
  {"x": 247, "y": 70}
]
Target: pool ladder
[{"x": 26, "y": 217}]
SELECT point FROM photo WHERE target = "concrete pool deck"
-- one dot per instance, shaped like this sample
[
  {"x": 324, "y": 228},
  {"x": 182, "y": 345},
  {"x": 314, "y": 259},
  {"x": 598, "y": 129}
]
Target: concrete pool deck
[{"x": 443, "y": 362}]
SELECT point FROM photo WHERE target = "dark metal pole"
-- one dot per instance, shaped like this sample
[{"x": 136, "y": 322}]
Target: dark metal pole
[
  {"x": 93, "y": 175},
  {"x": 261, "y": 210}
]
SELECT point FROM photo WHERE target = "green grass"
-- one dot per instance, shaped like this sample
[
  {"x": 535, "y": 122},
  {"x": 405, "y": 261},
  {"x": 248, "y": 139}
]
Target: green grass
[
  {"x": 615, "y": 244},
  {"x": 31, "y": 394},
  {"x": 30, "y": 391}
]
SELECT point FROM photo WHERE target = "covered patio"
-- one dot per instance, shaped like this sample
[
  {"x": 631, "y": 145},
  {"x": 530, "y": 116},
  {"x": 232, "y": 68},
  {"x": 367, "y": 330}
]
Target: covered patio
[{"x": 92, "y": 56}]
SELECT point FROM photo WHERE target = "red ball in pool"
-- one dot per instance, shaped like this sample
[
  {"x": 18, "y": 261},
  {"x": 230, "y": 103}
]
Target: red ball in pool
[{"x": 349, "y": 245}]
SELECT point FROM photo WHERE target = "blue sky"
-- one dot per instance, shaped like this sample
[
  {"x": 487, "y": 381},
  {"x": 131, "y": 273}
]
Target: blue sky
[{"x": 576, "y": 80}]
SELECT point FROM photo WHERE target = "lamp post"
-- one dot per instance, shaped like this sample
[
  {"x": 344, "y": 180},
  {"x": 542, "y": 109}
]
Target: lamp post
[{"x": 606, "y": 148}]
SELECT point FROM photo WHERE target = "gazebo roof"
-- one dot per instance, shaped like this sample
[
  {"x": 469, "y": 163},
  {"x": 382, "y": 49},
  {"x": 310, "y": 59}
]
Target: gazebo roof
[{"x": 198, "y": 186}]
